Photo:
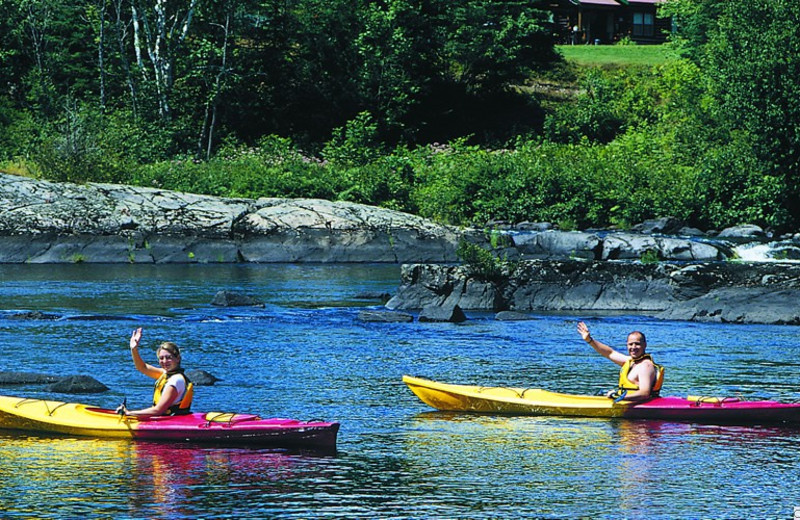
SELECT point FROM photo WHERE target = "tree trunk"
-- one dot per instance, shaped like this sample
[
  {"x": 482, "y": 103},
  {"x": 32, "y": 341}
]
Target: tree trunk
[
  {"x": 101, "y": 55},
  {"x": 163, "y": 37},
  {"x": 218, "y": 86},
  {"x": 126, "y": 66}
]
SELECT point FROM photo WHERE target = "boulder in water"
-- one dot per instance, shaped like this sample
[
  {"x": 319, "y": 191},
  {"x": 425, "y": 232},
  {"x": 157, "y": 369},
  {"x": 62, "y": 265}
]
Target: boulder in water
[
  {"x": 235, "y": 299},
  {"x": 201, "y": 377},
  {"x": 385, "y": 317},
  {"x": 438, "y": 313},
  {"x": 78, "y": 385},
  {"x": 26, "y": 378}
]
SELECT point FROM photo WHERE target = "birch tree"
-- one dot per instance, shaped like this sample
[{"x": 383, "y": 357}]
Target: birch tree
[
  {"x": 121, "y": 29},
  {"x": 160, "y": 30}
]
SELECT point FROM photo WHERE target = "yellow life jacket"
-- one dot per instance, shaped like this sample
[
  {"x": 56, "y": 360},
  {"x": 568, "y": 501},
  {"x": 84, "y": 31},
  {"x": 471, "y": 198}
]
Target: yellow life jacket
[
  {"x": 182, "y": 407},
  {"x": 627, "y": 384}
]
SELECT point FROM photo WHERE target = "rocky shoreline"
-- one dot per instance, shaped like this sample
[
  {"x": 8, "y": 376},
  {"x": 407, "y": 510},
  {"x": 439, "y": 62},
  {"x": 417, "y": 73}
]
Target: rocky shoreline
[
  {"x": 689, "y": 275},
  {"x": 728, "y": 292},
  {"x": 47, "y": 222}
]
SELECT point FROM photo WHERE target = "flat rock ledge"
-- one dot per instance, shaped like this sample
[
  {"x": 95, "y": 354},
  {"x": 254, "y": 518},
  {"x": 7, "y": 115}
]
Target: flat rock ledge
[
  {"x": 48, "y": 222},
  {"x": 730, "y": 292}
]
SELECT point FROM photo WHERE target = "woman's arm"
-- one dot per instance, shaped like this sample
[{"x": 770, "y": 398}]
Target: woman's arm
[
  {"x": 161, "y": 408},
  {"x": 138, "y": 362}
]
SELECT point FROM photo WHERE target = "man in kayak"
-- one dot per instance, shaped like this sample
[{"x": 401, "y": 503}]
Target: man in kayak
[
  {"x": 173, "y": 392},
  {"x": 639, "y": 378}
]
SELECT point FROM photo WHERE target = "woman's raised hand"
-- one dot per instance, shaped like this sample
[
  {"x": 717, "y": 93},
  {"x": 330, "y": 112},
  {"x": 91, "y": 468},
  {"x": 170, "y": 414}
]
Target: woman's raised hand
[{"x": 136, "y": 337}]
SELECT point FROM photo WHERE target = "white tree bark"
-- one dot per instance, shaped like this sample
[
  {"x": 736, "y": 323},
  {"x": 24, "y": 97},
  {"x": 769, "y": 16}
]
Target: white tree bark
[{"x": 161, "y": 33}]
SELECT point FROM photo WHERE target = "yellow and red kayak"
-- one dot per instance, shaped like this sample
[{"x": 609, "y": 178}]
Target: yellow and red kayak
[
  {"x": 534, "y": 401},
  {"x": 40, "y": 415}
]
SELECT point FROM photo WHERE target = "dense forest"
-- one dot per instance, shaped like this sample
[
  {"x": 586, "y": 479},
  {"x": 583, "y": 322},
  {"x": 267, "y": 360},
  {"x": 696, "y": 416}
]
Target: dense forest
[{"x": 426, "y": 106}]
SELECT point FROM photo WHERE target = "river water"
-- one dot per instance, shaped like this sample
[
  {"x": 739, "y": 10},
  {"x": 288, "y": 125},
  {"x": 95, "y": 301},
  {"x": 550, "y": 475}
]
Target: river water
[{"x": 305, "y": 355}]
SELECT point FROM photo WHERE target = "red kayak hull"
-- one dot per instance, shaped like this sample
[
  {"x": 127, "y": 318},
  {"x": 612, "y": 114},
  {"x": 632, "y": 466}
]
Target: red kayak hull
[{"x": 715, "y": 411}]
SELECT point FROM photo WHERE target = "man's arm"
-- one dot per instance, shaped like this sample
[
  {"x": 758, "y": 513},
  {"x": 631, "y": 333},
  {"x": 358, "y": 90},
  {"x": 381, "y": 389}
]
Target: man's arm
[{"x": 601, "y": 348}]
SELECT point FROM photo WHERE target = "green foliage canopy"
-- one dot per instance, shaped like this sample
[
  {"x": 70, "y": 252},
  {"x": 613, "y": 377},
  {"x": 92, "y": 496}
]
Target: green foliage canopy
[{"x": 750, "y": 55}]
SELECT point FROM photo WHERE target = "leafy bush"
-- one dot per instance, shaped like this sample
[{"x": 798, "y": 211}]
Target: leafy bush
[
  {"x": 650, "y": 256},
  {"x": 482, "y": 264},
  {"x": 355, "y": 144},
  {"x": 73, "y": 149},
  {"x": 733, "y": 188},
  {"x": 610, "y": 102},
  {"x": 243, "y": 173}
]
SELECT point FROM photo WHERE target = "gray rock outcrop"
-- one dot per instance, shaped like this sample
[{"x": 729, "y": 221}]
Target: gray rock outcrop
[
  {"x": 744, "y": 231},
  {"x": 737, "y": 305},
  {"x": 720, "y": 291},
  {"x": 582, "y": 245},
  {"x": 551, "y": 244},
  {"x": 629, "y": 246},
  {"x": 48, "y": 222}
]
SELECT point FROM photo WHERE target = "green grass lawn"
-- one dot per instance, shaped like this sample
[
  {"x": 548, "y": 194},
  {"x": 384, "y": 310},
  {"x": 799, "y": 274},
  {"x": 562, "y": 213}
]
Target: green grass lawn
[{"x": 616, "y": 55}]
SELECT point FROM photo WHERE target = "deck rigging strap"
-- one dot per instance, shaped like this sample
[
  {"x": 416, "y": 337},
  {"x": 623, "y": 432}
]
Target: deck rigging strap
[
  {"x": 513, "y": 390},
  {"x": 50, "y": 412}
]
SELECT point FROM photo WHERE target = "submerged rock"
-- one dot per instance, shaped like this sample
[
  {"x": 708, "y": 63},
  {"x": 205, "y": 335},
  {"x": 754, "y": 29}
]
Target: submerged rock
[
  {"x": 373, "y": 295},
  {"x": 78, "y": 385},
  {"x": 436, "y": 313},
  {"x": 512, "y": 316},
  {"x": 201, "y": 377},
  {"x": 235, "y": 299},
  {"x": 26, "y": 378},
  {"x": 34, "y": 315},
  {"x": 385, "y": 317}
]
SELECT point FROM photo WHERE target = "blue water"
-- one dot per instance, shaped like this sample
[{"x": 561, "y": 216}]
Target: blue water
[{"x": 305, "y": 355}]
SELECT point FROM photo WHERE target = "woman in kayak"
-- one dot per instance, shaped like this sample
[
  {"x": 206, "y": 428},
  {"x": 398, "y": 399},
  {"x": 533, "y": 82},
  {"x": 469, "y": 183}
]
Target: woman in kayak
[
  {"x": 639, "y": 378},
  {"x": 173, "y": 392}
]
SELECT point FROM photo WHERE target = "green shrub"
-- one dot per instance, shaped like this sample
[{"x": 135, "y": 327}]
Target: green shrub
[
  {"x": 482, "y": 264},
  {"x": 650, "y": 256},
  {"x": 355, "y": 144},
  {"x": 610, "y": 102},
  {"x": 72, "y": 150}
]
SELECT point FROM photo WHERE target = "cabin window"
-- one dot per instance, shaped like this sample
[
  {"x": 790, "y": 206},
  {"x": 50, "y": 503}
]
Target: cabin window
[{"x": 643, "y": 24}]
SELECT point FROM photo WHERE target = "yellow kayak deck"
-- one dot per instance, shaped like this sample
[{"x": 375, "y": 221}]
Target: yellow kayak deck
[
  {"x": 511, "y": 400},
  {"x": 59, "y": 417}
]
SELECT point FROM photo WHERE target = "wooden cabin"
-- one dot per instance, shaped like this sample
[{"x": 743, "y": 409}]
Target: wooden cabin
[{"x": 607, "y": 21}]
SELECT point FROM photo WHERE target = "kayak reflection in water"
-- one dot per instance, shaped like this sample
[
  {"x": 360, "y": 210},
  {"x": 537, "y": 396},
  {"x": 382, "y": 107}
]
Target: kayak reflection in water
[
  {"x": 639, "y": 378},
  {"x": 173, "y": 391}
]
